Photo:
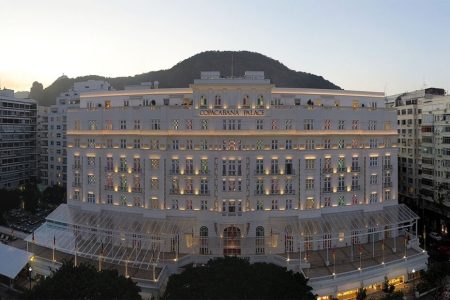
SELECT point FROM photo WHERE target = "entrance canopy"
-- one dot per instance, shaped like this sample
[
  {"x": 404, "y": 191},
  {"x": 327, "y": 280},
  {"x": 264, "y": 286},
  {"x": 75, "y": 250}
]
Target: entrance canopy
[{"x": 12, "y": 260}]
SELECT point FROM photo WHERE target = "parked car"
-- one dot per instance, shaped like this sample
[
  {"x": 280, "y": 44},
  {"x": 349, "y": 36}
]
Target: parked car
[{"x": 435, "y": 236}]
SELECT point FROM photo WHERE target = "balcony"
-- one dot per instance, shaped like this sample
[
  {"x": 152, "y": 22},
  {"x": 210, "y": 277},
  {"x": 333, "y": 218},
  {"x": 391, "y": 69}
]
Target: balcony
[
  {"x": 109, "y": 188},
  {"x": 341, "y": 189},
  {"x": 356, "y": 169},
  {"x": 356, "y": 187},
  {"x": 341, "y": 169},
  {"x": 289, "y": 192},
  {"x": 137, "y": 190},
  {"x": 327, "y": 170},
  {"x": 137, "y": 170}
]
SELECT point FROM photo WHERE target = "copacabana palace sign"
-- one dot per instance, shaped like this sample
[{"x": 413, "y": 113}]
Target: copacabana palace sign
[{"x": 232, "y": 112}]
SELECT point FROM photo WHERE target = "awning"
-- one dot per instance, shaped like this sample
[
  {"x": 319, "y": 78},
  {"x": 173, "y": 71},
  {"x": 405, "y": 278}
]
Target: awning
[{"x": 12, "y": 260}]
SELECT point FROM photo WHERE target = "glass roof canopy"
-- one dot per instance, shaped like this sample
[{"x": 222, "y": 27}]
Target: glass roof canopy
[
  {"x": 354, "y": 221},
  {"x": 118, "y": 237}
]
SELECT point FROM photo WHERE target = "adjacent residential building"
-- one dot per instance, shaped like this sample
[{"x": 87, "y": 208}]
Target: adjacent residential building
[
  {"x": 305, "y": 178},
  {"x": 18, "y": 160},
  {"x": 53, "y": 166},
  {"x": 421, "y": 119}
]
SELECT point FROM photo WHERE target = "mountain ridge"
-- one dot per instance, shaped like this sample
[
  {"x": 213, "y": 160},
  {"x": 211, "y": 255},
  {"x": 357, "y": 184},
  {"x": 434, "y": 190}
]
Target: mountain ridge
[{"x": 184, "y": 72}]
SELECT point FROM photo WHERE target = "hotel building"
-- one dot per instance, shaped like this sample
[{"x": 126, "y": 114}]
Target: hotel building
[
  {"x": 18, "y": 160},
  {"x": 303, "y": 178}
]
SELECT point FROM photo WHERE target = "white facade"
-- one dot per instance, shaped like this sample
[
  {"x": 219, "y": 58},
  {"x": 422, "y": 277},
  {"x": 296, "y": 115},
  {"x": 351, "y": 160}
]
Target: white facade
[
  {"x": 240, "y": 167},
  {"x": 53, "y": 155}
]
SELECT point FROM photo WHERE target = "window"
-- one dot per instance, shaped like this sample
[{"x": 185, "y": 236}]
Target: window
[
  {"x": 189, "y": 145},
  {"x": 259, "y": 205},
  {"x": 355, "y": 125},
  {"x": 288, "y": 124},
  {"x": 245, "y": 102},
  {"x": 309, "y": 144},
  {"x": 341, "y": 201},
  {"x": 341, "y": 164},
  {"x": 288, "y": 145},
  {"x": 288, "y": 187},
  {"x": 204, "y": 186},
  {"x": 274, "y": 204},
  {"x": 308, "y": 124},
  {"x": 91, "y": 179},
  {"x": 203, "y": 102},
  {"x": 274, "y": 166},
  {"x": 373, "y": 143},
  {"x": 327, "y": 202},
  {"x": 154, "y": 145},
  {"x": 154, "y": 164},
  {"x": 204, "y": 145},
  {"x": 259, "y": 124},
  {"x": 188, "y": 204},
  {"x": 154, "y": 184},
  {"x": 355, "y": 143},
  {"x": 288, "y": 167},
  {"x": 217, "y": 101},
  {"x": 123, "y": 200},
  {"x": 123, "y": 124},
  {"x": 341, "y": 144},
  {"x": 204, "y": 204},
  {"x": 259, "y": 166},
  {"x": 174, "y": 204},
  {"x": 373, "y": 179},
  {"x": 372, "y": 125},
  {"x": 137, "y": 144},
  {"x": 309, "y": 204},
  {"x": 327, "y": 125},
  {"x": 327, "y": 185},
  {"x": 91, "y": 143},
  {"x": 189, "y": 167},
  {"x": 175, "y": 145},
  {"x": 373, "y": 198},
  {"x": 355, "y": 183},
  {"x": 123, "y": 144},
  {"x": 341, "y": 124},
  {"x": 310, "y": 163},
  {"x": 188, "y": 124},
  {"x": 373, "y": 161},
  {"x": 355, "y": 164},
  {"x": 204, "y": 166},
  {"x": 109, "y": 143},
  {"x": 260, "y": 244},
  {"x": 156, "y": 124},
  {"x": 109, "y": 199},
  {"x": 259, "y": 187},
  {"x": 91, "y": 161},
  {"x": 204, "y": 249},
  {"x": 274, "y": 124},
  {"x": 137, "y": 124},
  {"x": 175, "y": 167},
  {"x": 92, "y": 125},
  {"x": 341, "y": 183},
  {"x": 288, "y": 204},
  {"x": 327, "y": 143},
  {"x": 259, "y": 145},
  {"x": 310, "y": 183},
  {"x": 354, "y": 200},
  {"x": 204, "y": 124},
  {"x": 260, "y": 102},
  {"x": 91, "y": 198},
  {"x": 274, "y": 144},
  {"x": 387, "y": 196},
  {"x": 175, "y": 124}
]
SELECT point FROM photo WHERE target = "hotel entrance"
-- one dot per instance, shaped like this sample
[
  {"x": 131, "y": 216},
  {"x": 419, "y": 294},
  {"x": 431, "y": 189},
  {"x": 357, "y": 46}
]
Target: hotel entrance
[{"x": 231, "y": 241}]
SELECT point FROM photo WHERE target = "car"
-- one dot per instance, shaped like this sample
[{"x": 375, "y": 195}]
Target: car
[{"x": 435, "y": 236}]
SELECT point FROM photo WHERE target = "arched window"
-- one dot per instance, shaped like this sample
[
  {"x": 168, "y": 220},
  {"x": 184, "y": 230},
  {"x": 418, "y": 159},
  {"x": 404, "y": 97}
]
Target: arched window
[
  {"x": 260, "y": 102},
  {"x": 203, "y": 102},
  {"x": 259, "y": 240},
  {"x": 153, "y": 103},
  {"x": 245, "y": 101},
  {"x": 288, "y": 240},
  {"x": 204, "y": 240}
]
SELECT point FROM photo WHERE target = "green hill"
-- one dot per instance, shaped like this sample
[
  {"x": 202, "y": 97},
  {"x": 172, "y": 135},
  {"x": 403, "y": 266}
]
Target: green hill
[{"x": 184, "y": 73}]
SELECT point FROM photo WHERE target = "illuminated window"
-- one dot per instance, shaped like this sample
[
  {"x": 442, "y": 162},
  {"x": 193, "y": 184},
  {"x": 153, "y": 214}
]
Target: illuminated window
[
  {"x": 259, "y": 124},
  {"x": 91, "y": 179},
  {"x": 309, "y": 144},
  {"x": 310, "y": 163},
  {"x": 327, "y": 202},
  {"x": 288, "y": 124},
  {"x": 308, "y": 124},
  {"x": 259, "y": 205},
  {"x": 327, "y": 125},
  {"x": 274, "y": 124},
  {"x": 355, "y": 125},
  {"x": 91, "y": 198},
  {"x": 189, "y": 124},
  {"x": 154, "y": 164},
  {"x": 309, "y": 183},
  {"x": 204, "y": 124},
  {"x": 259, "y": 145},
  {"x": 327, "y": 143},
  {"x": 341, "y": 125}
]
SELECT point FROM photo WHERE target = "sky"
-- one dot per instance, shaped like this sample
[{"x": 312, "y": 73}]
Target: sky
[{"x": 391, "y": 46}]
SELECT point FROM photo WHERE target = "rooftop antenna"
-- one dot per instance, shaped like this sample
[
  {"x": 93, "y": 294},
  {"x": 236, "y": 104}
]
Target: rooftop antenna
[{"x": 232, "y": 64}]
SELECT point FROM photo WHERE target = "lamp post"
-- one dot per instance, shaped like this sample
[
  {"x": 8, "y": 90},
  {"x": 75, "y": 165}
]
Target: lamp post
[
  {"x": 29, "y": 270},
  {"x": 413, "y": 283}
]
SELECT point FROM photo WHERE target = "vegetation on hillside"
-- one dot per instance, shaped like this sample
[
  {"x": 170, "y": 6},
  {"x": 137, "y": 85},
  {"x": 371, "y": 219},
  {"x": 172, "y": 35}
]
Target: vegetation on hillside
[{"x": 184, "y": 73}]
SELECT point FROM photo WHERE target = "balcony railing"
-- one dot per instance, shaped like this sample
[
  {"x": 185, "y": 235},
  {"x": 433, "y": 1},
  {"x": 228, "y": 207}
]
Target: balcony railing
[
  {"x": 326, "y": 190},
  {"x": 341, "y": 169},
  {"x": 123, "y": 169},
  {"x": 387, "y": 167},
  {"x": 76, "y": 166},
  {"x": 387, "y": 184},
  {"x": 289, "y": 192},
  {"x": 123, "y": 189},
  {"x": 274, "y": 192},
  {"x": 327, "y": 170},
  {"x": 137, "y": 170},
  {"x": 174, "y": 172},
  {"x": 356, "y": 187},
  {"x": 109, "y": 187},
  {"x": 259, "y": 193},
  {"x": 76, "y": 184},
  {"x": 189, "y": 172},
  {"x": 137, "y": 190},
  {"x": 109, "y": 169},
  {"x": 356, "y": 168},
  {"x": 341, "y": 189}
]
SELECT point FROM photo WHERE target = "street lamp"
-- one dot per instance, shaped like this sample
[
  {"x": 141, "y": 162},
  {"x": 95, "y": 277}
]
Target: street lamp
[{"x": 30, "y": 269}]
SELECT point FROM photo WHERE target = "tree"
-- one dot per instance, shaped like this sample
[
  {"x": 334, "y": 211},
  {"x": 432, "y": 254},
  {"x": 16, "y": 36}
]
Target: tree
[
  {"x": 236, "y": 278},
  {"x": 387, "y": 287},
  {"x": 53, "y": 195},
  {"x": 361, "y": 294},
  {"x": 84, "y": 282}
]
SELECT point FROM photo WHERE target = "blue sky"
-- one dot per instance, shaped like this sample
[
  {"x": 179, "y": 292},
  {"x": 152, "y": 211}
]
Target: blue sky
[{"x": 391, "y": 46}]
